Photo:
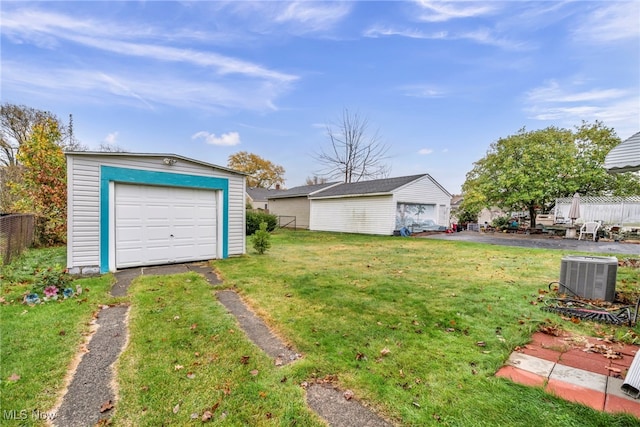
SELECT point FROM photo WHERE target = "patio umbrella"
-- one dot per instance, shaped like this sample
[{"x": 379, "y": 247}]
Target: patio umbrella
[
  {"x": 574, "y": 210},
  {"x": 624, "y": 157}
]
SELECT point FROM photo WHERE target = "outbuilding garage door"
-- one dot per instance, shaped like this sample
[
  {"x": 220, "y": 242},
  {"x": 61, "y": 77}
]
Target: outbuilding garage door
[{"x": 161, "y": 225}]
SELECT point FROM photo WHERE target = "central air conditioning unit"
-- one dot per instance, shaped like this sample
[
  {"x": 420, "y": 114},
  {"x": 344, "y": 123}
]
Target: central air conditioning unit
[{"x": 589, "y": 277}]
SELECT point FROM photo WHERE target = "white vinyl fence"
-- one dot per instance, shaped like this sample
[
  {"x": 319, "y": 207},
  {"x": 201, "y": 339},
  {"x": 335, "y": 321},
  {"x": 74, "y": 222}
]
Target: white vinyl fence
[{"x": 622, "y": 211}]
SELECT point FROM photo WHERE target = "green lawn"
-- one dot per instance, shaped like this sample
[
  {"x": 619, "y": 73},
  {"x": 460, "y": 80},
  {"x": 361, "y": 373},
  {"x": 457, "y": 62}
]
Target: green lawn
[
  {"x": 396, "y": 320},
  {"x": 342, "y": 299}
]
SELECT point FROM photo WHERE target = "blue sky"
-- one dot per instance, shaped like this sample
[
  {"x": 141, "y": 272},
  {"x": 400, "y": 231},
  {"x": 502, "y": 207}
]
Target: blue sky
[{"x": 439, "y": 81}]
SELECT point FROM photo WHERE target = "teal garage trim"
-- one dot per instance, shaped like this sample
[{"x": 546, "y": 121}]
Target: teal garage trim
[{"x": 110, "y": 174}]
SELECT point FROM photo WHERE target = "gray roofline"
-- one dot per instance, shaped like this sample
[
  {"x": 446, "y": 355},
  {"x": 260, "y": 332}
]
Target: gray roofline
[
  {"x": 385, "y": 191},
  {"x": 176, "y": 156},
  {"x": 293, "y": 195}
]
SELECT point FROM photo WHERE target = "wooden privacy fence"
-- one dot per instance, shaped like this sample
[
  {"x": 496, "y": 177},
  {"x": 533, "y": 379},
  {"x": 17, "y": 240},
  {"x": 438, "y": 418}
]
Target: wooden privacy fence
[{"x": 17, "y": 233}]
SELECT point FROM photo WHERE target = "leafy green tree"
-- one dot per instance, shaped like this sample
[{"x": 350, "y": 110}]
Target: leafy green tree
[
  {"x": 529, "y": 170},
  {"x": 43, "y": 189},
  {"x": 262, "y": 173}
]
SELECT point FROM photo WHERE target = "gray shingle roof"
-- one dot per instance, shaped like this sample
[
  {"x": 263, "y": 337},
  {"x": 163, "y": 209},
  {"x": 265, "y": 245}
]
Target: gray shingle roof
[
  {"x": 302, "y": 190},
  {"x": 262, "y": 193},
  {"x": 376, "y": 186}
]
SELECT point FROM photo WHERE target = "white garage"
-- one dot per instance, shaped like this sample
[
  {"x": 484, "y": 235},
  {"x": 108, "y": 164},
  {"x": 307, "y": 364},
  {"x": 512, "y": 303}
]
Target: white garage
[{"x": 128, "y": 210}]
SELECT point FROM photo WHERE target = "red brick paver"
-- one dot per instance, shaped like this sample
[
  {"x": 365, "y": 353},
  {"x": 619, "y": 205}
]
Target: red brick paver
[{"x": 581, "y": 372}]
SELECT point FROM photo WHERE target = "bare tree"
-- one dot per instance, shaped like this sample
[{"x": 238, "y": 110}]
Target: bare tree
[
  {"x": 16, "y": 125},
  {"x": 354, "y": 154},
  {"x": 315, "y": 180},
  {"x": 107, "y": 147}
]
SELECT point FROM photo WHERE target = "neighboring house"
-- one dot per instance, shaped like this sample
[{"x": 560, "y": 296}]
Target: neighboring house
[
  {"x": 134, "y": 209},
  {"x": 380, "y": 206},
  {"x": 293, "y": 205},
  {"x": 258, "y": 198}
]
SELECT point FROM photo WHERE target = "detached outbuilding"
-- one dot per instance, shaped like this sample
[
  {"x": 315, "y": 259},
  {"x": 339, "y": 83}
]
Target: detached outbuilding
[
  {"x": 381, "y": 206},
  {"x": 293, "y": 206},
  {"x": 134, "y": 209}
]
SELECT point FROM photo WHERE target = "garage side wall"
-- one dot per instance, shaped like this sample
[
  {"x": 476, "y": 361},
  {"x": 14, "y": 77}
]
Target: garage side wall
[
  {"x": 425, "y": 191},
  {"x": 84, "y": 204},
  {"x": 364, "y": 215},
  {"x": 293, "y": 206}
]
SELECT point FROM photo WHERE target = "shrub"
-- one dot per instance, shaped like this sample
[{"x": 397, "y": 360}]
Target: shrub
[
  {"x": 261, "y": 239},
  {"x": 500, "y": 223},
  {"x": 254, "y": 219}
]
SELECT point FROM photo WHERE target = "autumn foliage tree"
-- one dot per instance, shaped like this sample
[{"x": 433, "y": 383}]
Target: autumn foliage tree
[
  {"x": 43, "y": 188},
  {"x": 262, "y": 173}
]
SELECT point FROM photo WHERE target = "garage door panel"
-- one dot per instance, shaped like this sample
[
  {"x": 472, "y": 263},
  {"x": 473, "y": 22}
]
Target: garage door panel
[{"x": 158, "y": 225}]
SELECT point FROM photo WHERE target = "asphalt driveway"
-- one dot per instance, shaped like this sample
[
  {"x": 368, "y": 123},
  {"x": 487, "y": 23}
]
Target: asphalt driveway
[{"x": 541, "y": 241}]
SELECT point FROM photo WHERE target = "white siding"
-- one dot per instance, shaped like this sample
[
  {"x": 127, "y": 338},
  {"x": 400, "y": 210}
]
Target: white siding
[
  {"x": 365, "y": 215},
  {"x": 425, "y": 191},
  {"x": 84, "y": 200}
]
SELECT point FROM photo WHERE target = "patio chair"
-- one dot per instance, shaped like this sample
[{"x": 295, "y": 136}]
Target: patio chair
[{"x": 589, "y": 228}]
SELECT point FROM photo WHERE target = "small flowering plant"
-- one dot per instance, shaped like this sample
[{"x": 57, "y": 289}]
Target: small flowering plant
[
  {"x": 52, "y": 285},
  {"x": 31, "y": 298},
  {"x": 50, "y": 293}
]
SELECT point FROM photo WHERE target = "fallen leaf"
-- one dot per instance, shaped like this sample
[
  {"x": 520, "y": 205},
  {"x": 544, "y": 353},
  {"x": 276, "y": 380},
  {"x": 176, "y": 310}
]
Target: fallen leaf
[
  {"x": 176, "y": 408},
  {"x": 481, "y": 344},
  {"x": 254, "y": 372},
  {"x": 385, "y": 351},
  {"x": 176, "y": 317},
  {"x": 62, "y": 333},
  {"x": 191, "y": 375},
  {"x": 177, "y": 367},
  {"x": 194, "y": 416},
  {"x": 206, "y": 416},
  {"x": 616, "y": 370},
  {"x": 348, "y": 395},
  {"x": 360, "y": 356},
  {"x": 106, "y": 406},
  {"x": 244, "y": 360},
  {"x": 262, "y": 394},
  {"x": 13, "y": 377},
  {"x": 193, "y": 326}
]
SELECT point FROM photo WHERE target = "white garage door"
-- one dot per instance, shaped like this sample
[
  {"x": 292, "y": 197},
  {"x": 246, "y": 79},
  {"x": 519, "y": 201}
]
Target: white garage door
[{"x": 161, "y": 225}]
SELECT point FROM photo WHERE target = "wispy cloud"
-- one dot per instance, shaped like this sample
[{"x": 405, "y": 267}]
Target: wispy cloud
[
  {"x": 314, "y": 16},
  {"x": 139, "y": 89},
  {"x": 422, "y": 91},
  {"x": 111, "y": 138},
  {"x": 441, "y": 11},
  {"x": 610, "y": 23},
  {"x": 425, "y": 151},
  {"x": 483, "y": 36},
  {"x": 226, "y": 139},
  {"x": 297, "y": 17},
  {"x": 222, "y": 81},
  {"x": 569, "y": 104}
]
